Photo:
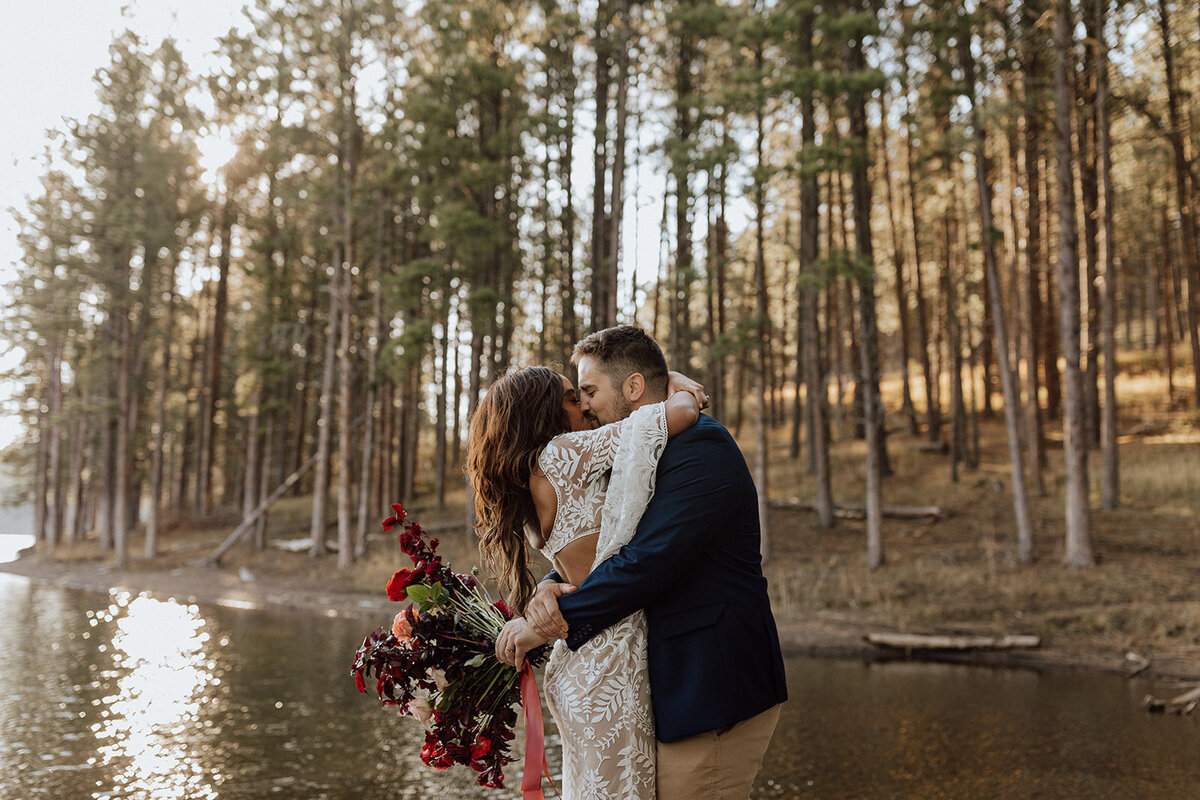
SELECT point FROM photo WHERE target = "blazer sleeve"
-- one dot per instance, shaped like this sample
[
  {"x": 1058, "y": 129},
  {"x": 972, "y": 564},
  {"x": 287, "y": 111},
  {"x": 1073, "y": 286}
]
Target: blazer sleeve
[{"x": 687, "y": 514}]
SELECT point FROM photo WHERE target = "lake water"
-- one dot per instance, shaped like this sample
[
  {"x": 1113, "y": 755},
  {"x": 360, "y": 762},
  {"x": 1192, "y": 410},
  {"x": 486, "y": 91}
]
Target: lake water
[{"x": 119, "y": 696}]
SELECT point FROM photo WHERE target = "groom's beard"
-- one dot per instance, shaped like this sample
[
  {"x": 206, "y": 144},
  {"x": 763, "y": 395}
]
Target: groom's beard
[{"x": 619, "y": 410}]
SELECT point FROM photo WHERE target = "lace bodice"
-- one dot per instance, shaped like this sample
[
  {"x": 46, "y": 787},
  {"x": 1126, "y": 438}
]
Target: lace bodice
[
  {"x": 600, "y": 694},
  {"x": 576, "y": 465}
]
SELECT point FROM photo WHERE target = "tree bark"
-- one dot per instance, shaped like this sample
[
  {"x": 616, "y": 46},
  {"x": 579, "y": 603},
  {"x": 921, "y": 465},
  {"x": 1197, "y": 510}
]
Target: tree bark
[
  {"x": 1078, "y": 550},
  {"x": 368, "y": 445},
  {"x": 899, "y": 251},
  {"x": 601, "y": 258},
  {"x": 621, "y": 27},
  {"x": 1110, "y": 484},
  {"x": 325, "y": 419},
  {"x": 860, "y": 187},
  {"x": 761, "y": 385},
  {"x": 1035, "y": 436},
  {"x": 213, "y": 358},
  {"x": 160, "y": 416},
  {"x": 933, "y": 421},
  {"x": 810, "y": 334},
  {"x": 1008, "y": 380}
]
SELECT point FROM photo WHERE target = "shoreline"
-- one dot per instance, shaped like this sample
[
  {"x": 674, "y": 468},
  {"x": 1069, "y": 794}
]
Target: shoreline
[{"x": 818, "y": 635}]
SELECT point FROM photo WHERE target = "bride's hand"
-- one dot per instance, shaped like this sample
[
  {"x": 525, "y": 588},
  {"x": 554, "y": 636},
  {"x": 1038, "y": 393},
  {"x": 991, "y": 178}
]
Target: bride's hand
[
  {"x": 678, "y": 382},
  {"x": 516, "y": 639}
]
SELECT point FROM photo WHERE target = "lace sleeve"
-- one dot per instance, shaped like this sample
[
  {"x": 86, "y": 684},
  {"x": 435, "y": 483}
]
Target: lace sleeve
[
  {"x": 633, "y": 477},
  {"x": 575, "y": 459}
]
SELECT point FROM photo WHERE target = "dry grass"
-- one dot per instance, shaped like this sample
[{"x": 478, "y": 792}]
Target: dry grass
[{"x": 958, "y": 573}]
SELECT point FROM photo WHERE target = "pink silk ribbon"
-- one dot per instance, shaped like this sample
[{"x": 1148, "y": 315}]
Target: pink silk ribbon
[{"x": 535, "y": 739}]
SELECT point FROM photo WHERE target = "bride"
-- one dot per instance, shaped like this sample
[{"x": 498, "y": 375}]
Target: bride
[{"x": 540, "y": 472}]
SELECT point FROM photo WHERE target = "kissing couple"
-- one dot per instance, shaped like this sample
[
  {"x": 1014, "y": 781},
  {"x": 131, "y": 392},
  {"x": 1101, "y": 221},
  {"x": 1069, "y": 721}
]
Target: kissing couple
[{"x": 666, "y": 678}]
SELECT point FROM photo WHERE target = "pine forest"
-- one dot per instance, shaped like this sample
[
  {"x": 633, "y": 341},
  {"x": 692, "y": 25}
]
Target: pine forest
[{"x": 876, "y": 228}]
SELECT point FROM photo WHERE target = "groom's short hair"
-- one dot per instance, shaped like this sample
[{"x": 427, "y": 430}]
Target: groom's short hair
[{"x": 623, "y": 350}]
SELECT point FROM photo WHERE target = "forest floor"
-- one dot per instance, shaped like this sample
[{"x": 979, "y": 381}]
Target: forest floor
[{"x": 1136, "y": 610}]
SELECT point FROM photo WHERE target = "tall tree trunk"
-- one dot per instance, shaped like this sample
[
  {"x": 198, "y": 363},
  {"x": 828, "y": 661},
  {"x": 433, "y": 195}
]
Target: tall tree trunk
[
  {"x": 76, "y": 492},
  {"x": 266, "y": 481},
  {"x": 1008, "y": 380},
  {"x": 325, "y": 417},
  {"x": 860, "y": 189},
  {"x": 1110, "y": 484},
  {"x": 680, "y": 337},
  {"x": 621, "y": 27},
  {"x": 1035, "y": 436},
  {"x": 214, "y": 355},
  {"x": 1167, "y": 278},
  {"x": 810, "y": 334},
  {"x": 899, "y": 250},
  {"x": 123, "y": 447},
  {"x": 56, "y": 509},
  {"x": 348, "y": 168},
  {"x": 160, "y": 416},
  {"x": 1090, "y": 195},
  {"x": 1051, "y": 346},
  {"x": 958, "y": 420},
  {"x": 933, "y": 421},
  {"x": 602, "y": 260},
  {"x": 1078, "y": 544},
  {"x": 761, "y": 386},
  {"x": 368, "y": 445},
  {"x": 252, "y": 477},
  {"x": 565, "y": 168},
  {"x": 440, "y": 422}
]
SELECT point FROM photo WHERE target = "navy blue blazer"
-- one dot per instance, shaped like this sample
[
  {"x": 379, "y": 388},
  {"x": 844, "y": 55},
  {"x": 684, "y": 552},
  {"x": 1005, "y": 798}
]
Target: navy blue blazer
[{"x": 694, "y": 565}]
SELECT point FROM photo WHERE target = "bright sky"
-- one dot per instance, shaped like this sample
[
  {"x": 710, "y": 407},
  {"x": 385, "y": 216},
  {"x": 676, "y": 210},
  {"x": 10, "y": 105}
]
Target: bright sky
[{"x": 51, "y": 50}]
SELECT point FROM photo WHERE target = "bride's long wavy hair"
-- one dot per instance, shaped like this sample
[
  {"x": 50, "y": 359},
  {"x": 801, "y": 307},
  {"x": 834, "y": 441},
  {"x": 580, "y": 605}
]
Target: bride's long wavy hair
[{"x": 520, "y": 413}]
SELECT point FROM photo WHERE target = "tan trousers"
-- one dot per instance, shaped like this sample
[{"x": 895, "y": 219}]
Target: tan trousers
[{"x": 715, "y": 765}]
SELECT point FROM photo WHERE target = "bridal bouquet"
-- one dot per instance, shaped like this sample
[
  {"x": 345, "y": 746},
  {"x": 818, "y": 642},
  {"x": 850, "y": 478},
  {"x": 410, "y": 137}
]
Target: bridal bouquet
[{"x": 437, "y": 662}]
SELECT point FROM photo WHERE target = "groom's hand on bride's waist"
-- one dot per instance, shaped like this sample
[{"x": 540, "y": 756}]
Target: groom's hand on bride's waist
[{"x": 542, "y": 611}]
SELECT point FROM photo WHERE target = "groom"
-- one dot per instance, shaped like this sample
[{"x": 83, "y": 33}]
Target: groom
[{"x": 716, "y": 671}]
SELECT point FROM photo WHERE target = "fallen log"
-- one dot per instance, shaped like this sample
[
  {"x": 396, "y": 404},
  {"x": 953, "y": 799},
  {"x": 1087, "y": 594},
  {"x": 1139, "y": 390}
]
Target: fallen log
[
  {"x": 916, "y": 641},
  {"x": 1183, "y": 704},
  {"x": 856, "y": 511},
  {"x": 214, "y": 558}
]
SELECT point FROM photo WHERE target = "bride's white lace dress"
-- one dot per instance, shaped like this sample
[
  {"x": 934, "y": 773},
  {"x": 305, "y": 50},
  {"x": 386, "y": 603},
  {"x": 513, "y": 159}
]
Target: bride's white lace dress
[{"x": 600, "y": 694}]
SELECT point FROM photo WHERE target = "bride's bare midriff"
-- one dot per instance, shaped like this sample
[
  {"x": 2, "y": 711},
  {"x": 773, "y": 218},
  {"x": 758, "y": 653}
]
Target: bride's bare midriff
[{"x": 574, "y": 561}]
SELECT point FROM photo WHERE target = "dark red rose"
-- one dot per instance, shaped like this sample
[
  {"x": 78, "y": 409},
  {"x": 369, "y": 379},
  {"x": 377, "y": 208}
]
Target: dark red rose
[
  {"x": 398, "y": 515},
  {"x": 480, "y": 748},
  {"x": 397, "y": 585}
]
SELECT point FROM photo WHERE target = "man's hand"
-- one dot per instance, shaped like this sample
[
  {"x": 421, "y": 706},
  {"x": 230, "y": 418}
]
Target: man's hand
[
  {"x": 542, "y": 610},
  {"x": 515, "y": 640}
]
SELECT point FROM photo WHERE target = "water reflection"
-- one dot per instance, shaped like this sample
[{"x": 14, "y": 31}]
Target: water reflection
[
  {"x": 108, "y": 696},
  {"x": 152, "y": 720}
]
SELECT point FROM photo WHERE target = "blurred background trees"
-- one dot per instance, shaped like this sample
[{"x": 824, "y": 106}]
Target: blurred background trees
[{"x": 304, "y": 268}]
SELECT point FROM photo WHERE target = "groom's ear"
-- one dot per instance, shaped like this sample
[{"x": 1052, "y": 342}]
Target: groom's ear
[{"x": 634, "y": 387}]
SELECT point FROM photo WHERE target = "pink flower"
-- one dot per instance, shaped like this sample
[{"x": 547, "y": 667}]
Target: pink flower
[
  {"x": 419, "y": 707},
  {"x": 401, "y": 627},
  {"x": 439, "y": 678}
]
